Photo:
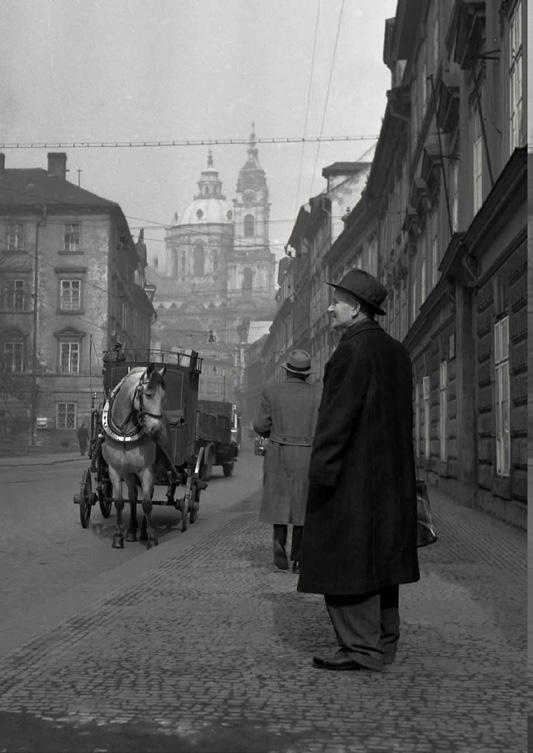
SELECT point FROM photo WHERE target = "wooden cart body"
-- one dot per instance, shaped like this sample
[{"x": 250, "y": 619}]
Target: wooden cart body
[{"x": 181, "y": 462}]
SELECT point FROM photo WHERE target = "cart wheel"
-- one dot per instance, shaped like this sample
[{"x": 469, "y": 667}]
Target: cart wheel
[
  {"x": 106, "y": 502},
  {"x": 85, "y": 498},
  {"x": 227, "y": 468},
  {"x": 184, "y": 507}
]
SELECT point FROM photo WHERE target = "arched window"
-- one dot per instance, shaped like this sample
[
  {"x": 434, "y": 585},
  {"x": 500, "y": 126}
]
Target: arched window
[
  {"x": 249, "y": 226},
  {"x": 198, "y": 260},
  {"x": 247, "y": 278}
]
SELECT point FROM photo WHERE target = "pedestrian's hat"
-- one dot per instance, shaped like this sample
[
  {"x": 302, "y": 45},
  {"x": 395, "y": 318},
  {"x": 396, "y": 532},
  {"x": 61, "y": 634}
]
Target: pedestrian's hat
[
  {"x": 298, "y": 362},
  {"x": 364, "y": 287}
]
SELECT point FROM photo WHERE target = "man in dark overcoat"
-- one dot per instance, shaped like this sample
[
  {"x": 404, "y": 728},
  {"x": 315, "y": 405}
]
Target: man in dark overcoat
[
  {"x": 287, "y": 416},
  {"x": 359, "y": 540}
]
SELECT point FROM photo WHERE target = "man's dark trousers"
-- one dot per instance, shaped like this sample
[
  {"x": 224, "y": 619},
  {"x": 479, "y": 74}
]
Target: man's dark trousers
[
  {"x": 280, "y": 536},
  {"x": 367, "y": 626}
]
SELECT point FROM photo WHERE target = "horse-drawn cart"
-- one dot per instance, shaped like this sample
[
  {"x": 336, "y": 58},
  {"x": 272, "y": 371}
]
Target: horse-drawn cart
[{"x": 143, "y": 432}]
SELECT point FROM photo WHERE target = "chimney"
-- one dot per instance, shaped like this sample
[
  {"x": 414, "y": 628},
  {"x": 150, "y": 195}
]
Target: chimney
[
  {"x": 57, "y": 165},
  {"x": 2, "y": 163}
]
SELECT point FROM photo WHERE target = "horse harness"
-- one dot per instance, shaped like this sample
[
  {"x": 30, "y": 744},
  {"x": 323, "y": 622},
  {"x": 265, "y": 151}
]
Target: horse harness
[{"x": 117, "y": 432}]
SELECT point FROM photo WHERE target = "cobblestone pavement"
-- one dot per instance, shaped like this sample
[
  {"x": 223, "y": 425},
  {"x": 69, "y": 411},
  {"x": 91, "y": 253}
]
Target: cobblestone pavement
[{"x": 210, "y": 651}]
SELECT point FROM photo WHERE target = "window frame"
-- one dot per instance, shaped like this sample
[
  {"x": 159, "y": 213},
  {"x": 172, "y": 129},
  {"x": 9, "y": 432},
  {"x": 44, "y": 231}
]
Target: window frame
[
  {"x": 70, "y": 342},
  {"x": 502, "y": 397},
  {"x": 17, "y": 341},
  {"x": 443, "y": 410},
  {"x": 477, "y": 162},
  {"x": 74, "y": 413},
  {"x": 63, "y": 281},
  {"x": 68, "y": 235},
  {"x": 10, "y": 294},
  {"x": 516, "y": 77},
  {"x": 15, "y": 239}
]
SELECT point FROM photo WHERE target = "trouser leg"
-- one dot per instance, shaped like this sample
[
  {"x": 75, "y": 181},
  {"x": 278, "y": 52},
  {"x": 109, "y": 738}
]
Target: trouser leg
[
  {"x": 357, "y": 624},
  {"x": 390, "y": 622},
  {"x": 279, "y": 542},
  {"x": 296, "y": 545}
]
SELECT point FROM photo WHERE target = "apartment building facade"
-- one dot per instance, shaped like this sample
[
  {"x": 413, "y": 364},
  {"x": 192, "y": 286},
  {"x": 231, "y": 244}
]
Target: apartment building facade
[{"x": 72, "y": 284}]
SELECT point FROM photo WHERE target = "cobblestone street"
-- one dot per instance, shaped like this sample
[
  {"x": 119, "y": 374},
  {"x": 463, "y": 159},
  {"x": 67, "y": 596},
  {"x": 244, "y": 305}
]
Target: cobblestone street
[{"x": 210, "y": 651}]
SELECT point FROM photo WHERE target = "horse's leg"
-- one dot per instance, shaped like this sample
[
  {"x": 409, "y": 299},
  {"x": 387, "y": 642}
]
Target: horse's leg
[
  {"x": 131, "y": 482},
  {"x": 147, "y": 484},
  {"x": 118, "y": 536}
]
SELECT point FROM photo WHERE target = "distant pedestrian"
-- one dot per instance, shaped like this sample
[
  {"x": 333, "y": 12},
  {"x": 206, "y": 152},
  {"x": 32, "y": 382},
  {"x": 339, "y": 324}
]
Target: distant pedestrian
[
  {"x": 359, "y": 540},
  {"x": 287, "y": 416},
  {"x": 83, "y": 438}
]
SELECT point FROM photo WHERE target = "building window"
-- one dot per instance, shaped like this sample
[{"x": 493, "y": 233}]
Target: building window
[
  {"x": 515, "y": 77},
  {"x": 15, "y": 236},
  {"x": 477, "y": 163},
  {"x": 247, "y": 278},
  {"x": 414, "y": 301},
  {"x": 13, "y": 295},
  {"x": 502, "y": 396},
  {"x": 70, "y": 295},
  {"x": 436, "y": 38},
  {"x": 434, "y": 261},
  {"x": 443, "y": 409},
  {"x": 423, "y": 286},
  {"x": 14, "y": 355},
  {"x": 198, "y": 260},
  {"x": 69, "y": 357},
  {"x": 425, "y": 397},
  {"x": 403, "y": 308},
  {"x": 72, "y": 236},
  {"x": 454, "y": 192},
  {"x": 417, "y": 420},
  {"x": 66, "y": 415},
  {"x": 249, "y": 226}
]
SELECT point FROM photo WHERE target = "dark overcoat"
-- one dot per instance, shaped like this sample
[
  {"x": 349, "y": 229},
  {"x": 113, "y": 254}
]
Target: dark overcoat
[
  {"x": 287, "y": 415},
  {"x": 361, "y": 521}
]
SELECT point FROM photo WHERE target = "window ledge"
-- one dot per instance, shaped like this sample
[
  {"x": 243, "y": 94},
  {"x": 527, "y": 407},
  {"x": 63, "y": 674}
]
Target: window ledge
[
  {"x": 77, "y": 312},
  {"x": 64, "y": 252}
]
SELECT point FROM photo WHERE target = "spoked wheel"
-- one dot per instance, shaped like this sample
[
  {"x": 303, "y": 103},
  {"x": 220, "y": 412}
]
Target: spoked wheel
[
  {"x": 86, "y": 495},
  {"x": 106, "y": 499}
]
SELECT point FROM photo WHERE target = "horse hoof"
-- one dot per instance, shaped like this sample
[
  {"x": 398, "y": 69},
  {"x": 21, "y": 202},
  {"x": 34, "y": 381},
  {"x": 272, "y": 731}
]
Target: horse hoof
[
  {"x": 131, "y": 536},
  {"x": 118, "y": 541}
]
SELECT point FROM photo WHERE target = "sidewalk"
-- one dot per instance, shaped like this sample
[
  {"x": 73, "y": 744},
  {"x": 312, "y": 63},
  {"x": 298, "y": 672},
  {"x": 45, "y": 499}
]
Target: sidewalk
[
  {"x": 209, "y": 650},
  {"x": 18, "y": 461}
]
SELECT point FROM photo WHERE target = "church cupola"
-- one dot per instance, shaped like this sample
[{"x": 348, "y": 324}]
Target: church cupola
[{"x": 209, "y": 185}]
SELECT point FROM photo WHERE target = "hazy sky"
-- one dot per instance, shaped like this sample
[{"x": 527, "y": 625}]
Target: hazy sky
[{"x": 92, "y": 70}]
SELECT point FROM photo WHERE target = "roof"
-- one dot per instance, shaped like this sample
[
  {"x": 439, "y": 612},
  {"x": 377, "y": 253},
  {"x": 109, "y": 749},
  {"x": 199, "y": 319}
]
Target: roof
[
  {"x": 207, "y": 211},
  {"x": 33, "y": 187},
  {"x": 344, "y": 168}
]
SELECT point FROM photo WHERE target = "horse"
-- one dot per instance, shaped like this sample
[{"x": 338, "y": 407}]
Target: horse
[{"x": 134, "y": 424}]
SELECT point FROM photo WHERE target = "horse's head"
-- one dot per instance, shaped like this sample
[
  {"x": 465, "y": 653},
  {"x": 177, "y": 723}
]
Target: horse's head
[{"x": 150, "y": 399}]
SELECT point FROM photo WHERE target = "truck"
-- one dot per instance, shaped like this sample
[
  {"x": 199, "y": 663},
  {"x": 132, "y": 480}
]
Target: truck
[{"x": 215, "y": 432}]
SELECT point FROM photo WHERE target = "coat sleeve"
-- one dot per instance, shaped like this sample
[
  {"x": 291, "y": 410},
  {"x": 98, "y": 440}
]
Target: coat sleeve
[
  {"x": 263, "y": 419},
  {"x": 344, "y": 395}
]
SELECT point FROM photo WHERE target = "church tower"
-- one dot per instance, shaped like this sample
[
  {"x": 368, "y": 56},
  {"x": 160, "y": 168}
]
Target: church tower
[{"x": 251, "y": 266}]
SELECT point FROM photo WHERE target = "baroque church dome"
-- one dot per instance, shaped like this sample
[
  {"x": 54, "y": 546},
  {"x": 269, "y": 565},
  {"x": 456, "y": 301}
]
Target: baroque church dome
[{"x": 209, "y": 204}]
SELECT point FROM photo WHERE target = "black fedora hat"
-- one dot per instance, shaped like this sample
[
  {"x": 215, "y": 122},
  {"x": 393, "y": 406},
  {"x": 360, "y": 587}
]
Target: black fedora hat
[
  {"x": 364, "y": 287},
  {"x": 298, "y": 362}
]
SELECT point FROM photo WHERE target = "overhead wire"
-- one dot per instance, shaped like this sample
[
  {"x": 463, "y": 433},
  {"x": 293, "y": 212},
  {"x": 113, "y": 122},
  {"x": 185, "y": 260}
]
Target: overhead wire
[
  {"x": 326, "y": 100},
  {"x": 307, "y": 107}
]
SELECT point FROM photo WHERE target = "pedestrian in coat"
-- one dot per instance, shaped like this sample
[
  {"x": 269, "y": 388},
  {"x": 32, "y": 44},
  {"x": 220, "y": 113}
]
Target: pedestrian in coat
[
  {"x": 359, "y": 540},
  {"x": 287, "y": 416},
  {"x": 83, "y": 438}
]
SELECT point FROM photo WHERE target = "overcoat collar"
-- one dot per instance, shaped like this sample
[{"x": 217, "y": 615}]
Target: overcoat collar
[{"x": 356, "y": 329}]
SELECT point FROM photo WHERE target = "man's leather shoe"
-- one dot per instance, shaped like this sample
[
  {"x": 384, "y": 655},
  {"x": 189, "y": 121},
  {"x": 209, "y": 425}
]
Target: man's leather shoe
[
  {"x": 339, "y": 662},
  {"x": 280, "y": 556}
]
